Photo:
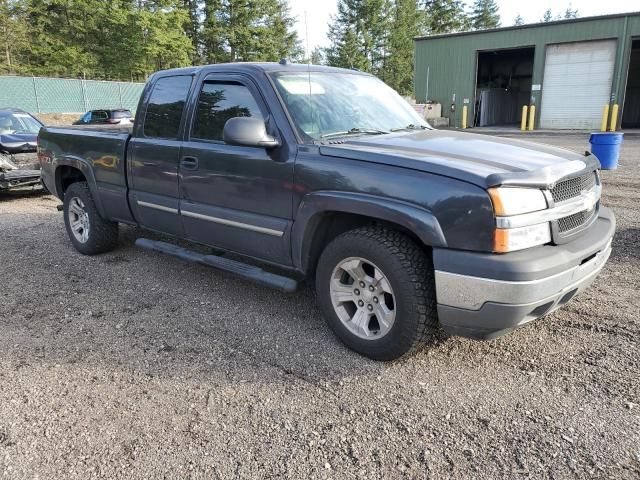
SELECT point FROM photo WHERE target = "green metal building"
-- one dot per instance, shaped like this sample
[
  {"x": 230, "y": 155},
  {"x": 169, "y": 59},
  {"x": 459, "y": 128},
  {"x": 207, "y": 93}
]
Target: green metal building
[{"x": 568, "y": 69}]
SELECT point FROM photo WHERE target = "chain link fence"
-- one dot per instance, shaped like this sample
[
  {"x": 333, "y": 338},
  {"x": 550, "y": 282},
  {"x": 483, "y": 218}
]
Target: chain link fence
[{"x": 66, "y": 95}]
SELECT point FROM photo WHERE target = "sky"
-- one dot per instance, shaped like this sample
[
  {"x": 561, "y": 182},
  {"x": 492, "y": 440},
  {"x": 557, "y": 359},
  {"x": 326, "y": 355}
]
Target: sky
[{"x": 318, "y": 13}]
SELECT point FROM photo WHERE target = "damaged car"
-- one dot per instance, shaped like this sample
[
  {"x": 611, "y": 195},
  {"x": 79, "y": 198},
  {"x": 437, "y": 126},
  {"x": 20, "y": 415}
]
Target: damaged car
[
  {"x": 19, "y": 169},
  {"x": 18, "y": 131},
  {"x": 17, "y": 178}
]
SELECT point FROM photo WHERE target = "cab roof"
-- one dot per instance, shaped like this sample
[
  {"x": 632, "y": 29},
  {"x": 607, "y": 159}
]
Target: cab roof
[{"x": 256, "y": 67}]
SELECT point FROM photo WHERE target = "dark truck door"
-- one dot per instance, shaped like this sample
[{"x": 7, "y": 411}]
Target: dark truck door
[
  {"x": 235, "y": 197},
  {"x": 153, "y": 156}
]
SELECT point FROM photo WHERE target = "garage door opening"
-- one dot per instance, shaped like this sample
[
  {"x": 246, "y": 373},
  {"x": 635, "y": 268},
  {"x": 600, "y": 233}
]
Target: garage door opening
[
  {"x": 503, "y": 86},
  {"x": 631, "y": 111},
  {"x": 576, "y": 84}
]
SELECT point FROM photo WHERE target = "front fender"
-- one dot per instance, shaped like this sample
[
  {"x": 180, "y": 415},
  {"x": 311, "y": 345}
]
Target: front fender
[
  {"x": 83, "y": 165},
  {"x": 414, "y": 218}
]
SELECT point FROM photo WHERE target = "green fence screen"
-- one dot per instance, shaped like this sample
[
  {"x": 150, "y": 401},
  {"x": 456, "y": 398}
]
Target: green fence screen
[{"x": 67, "y": 95}]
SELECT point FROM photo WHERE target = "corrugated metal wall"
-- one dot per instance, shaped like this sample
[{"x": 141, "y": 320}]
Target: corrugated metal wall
[
  {"x": 64, "y": 95},
  {"x": 451, "y": 60}
]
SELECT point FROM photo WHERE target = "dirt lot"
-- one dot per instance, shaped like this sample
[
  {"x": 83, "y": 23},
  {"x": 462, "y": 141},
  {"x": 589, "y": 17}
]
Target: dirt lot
[
  {"x": 58, "y": 118},
  {"x": 137, "y": 365}
]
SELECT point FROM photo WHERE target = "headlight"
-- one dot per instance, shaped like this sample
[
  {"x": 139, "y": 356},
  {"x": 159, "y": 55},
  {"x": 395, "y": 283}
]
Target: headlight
[
  {"x": 514, "y": 201},
  {"x": 511, "y": 239}
]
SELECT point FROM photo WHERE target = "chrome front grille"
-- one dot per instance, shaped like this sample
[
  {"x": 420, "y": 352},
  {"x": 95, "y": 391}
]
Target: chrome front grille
[
  {"x": 571, "y": 190},
  {"x": 572, "y": 187},
  {"x": 574, "y": 221}
]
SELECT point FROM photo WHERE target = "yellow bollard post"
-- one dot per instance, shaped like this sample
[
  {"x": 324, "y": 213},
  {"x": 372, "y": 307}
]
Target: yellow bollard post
[
  {"x": 605, "y": 118},
  {"x": 614, "y": 118},
  {"x": 523, "y": 122},
  {"x": 532, "y": 116},
  {"x": 465, "y": 109}
]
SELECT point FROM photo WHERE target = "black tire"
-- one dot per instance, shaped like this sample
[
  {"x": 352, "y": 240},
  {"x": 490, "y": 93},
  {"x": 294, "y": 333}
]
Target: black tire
[
  {"x": 409, "y": 270},
  {"x": 102, "y": 235}
]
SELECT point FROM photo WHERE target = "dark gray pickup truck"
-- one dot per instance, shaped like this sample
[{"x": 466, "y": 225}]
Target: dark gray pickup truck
[{"x": 330, "y": 175}]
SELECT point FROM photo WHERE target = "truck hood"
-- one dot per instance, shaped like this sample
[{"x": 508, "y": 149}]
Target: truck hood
[{"x": 479, "y": 159}]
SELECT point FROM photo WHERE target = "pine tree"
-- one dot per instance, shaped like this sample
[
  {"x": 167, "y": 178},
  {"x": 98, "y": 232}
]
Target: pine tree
[
  {"x": 86, "y": 38},
  {"x": 279, "y": 38},
  {"x": 12, "y": 35},
  {"x": 445, "y": 16},
  {"x": 344, "y": 51},
  {"x": 518, "y": 20},
  {"x": 548, "y": 16},
  {"x": 570, "y": 13},
  {"x": 126, "y": 39},
  {"x": 248, "y": 30},
  {"x": 404, "y": 28},
  {"x": 213, "y": 36},
  {"x": 317, "y": 56},
  {"x": 192, "y": 28},
  {"x": 160, "y": 25},
  {"x": 359, "y": 35},
  {"x": 485, "y": 14}
]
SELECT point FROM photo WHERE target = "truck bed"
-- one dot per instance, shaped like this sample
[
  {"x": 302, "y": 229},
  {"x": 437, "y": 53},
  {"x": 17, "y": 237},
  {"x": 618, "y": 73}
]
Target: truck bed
[{"x": 99, "y": 152}]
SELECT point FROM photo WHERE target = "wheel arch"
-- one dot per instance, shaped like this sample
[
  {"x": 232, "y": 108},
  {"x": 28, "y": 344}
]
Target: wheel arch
[
  {"x": 69, "y": 170},
  {"x": 324, "y": 215}
]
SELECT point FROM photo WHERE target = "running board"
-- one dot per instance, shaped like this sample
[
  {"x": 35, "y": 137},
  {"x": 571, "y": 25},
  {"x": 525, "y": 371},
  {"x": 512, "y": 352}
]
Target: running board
[{"x": 243, "y": 270}]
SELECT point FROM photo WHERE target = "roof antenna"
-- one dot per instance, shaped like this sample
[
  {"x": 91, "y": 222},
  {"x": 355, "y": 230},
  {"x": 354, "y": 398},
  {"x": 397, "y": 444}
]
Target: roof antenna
[
  {"x": 309, "y": 104},
  {"x": 306, "y": 29}
]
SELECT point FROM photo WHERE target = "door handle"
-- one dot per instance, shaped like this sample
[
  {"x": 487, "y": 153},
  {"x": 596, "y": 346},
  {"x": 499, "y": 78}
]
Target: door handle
[{"x": 189, "y": 163}]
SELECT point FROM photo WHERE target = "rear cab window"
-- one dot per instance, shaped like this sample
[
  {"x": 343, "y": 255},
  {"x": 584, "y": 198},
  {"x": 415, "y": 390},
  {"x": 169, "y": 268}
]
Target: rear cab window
[{"x": 165, "y": 107}]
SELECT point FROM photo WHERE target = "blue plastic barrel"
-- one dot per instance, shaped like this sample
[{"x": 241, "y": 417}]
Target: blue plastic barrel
[{"x": 606, "y": 146}]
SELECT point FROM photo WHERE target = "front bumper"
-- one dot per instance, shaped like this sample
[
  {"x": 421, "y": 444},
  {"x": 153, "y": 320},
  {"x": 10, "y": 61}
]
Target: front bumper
[
  {"x": 17, "y": 180},
  {"x": 486, "y": 295}
]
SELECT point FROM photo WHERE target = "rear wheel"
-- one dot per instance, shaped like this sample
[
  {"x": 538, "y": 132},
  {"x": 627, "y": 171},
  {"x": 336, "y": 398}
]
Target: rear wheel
[
  {"x": 375, "y": 287},
  {"x": 89, "y": 233}
]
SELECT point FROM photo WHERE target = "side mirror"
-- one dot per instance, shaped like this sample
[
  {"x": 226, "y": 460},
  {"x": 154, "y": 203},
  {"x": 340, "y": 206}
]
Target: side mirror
[{"x": 248, "y": 132}]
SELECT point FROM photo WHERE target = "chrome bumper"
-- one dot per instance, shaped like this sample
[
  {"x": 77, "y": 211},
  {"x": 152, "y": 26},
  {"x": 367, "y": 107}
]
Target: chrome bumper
[
  {"x": 472, "y": 293},
  {"x": 481, "y": 307}
]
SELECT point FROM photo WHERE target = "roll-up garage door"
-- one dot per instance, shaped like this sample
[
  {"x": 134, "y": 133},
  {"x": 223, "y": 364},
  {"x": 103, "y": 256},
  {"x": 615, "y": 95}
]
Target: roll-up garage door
[{"x": 576, "y": 84}]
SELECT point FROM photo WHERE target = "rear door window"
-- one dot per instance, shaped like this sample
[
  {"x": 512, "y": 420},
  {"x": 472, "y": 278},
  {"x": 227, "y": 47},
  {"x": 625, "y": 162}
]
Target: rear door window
[
  {"x": 165, "y": 107},
  {"x": 217, "y": 103}
]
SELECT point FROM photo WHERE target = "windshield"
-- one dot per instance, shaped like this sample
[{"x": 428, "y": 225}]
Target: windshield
[
  {"x": 18, "y": 123},
  {"x": 330, "y": 105}
]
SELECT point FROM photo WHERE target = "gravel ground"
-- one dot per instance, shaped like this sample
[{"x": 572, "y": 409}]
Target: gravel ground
[
  {"x": 137, "y": 365},
  {"x": 58, "y": 118}
]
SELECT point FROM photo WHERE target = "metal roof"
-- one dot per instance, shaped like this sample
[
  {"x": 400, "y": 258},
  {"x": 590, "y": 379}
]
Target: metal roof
[{"x": 529, "y": 25}]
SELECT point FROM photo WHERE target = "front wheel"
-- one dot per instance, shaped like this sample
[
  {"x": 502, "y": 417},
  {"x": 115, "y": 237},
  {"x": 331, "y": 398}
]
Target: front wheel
[
  {"x": 375, "y": 287},
  {"x": 89, "y": 233}
]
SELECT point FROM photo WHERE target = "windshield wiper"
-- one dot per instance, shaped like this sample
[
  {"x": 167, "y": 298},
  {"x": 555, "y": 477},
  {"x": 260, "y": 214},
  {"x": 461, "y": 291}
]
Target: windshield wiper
[
  {"x": 354, "y": 131},
  {"x": 411, "y": 126}
]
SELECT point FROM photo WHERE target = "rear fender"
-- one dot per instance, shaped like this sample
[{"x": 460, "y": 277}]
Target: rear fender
[
  {"x": 417, "y": 220},
  {"x": 83, "y": 166}
]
